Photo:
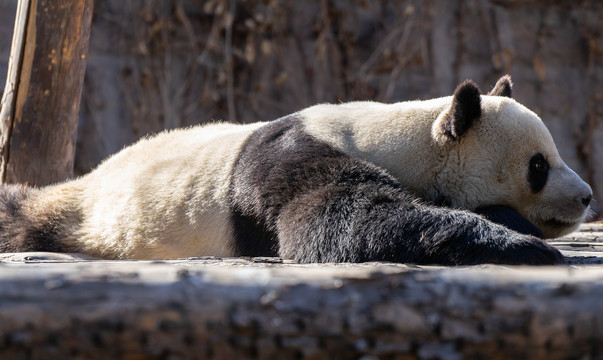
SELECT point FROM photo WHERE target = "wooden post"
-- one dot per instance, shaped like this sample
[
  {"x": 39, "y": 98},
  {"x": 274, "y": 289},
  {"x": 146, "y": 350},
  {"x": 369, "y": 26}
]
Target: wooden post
[{"x": 40, "y": 104}]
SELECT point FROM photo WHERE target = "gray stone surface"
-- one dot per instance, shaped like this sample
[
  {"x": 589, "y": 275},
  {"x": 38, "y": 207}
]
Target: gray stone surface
[{"x": 65, "y": 306}]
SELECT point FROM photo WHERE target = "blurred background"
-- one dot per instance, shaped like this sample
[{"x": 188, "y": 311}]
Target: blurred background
[{"x": 158, "y": 64}]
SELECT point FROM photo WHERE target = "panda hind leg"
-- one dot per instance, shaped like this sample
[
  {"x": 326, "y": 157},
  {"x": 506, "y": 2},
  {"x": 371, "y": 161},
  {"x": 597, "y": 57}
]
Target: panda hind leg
[{"x": 19, "y": 230}]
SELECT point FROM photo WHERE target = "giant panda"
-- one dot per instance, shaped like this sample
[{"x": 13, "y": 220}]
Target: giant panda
[{"x": 463, "y": 179}]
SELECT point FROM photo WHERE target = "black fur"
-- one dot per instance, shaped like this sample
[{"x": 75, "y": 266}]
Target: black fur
[
  {"x": 503, "y": 87},
  {"x": 509, "y": 218},
  {"x": 20, "y": 233},
  {"x": 252, "y": 236},
  {"x": 312, "y": 203},
  {"x": 465, "y": 109},
  {"x": 270, "y": 171},
  {"x": 43, "y": 237},
  {"x": 11, "y": 226},
  {"x": 538, "y": 172},
  {"x": 11, "y": 199}
]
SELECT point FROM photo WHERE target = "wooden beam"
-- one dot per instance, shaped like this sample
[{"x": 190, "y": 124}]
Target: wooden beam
[{"x": 40, "y": 103}]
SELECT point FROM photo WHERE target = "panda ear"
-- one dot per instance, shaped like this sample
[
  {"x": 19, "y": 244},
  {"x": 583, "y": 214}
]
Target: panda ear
[
  {"x": 465, "y": 109},
  {"x": 503, "y": 87}
]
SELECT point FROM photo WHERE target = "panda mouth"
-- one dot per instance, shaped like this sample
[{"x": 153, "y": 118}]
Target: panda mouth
[{"x": 559, "y": 223}]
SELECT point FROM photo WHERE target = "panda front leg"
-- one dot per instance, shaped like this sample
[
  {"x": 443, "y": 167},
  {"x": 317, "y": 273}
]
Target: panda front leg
[
  {"x": 373, "y": 222},
  {"x": 509, "y": 218}
]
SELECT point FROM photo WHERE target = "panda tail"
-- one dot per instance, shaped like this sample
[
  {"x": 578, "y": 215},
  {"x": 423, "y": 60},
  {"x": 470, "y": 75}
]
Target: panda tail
[{"x": 25, "y": 225}]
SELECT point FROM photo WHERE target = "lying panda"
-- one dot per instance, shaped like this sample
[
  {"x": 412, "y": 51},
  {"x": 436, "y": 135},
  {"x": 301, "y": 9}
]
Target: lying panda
[{"x": 420, "y": 182}]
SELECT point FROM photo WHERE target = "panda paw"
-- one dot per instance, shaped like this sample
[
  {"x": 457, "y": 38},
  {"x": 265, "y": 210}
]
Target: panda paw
[
  {"x": 510, "y": 219},
  {"x": 529, "y": 250}
]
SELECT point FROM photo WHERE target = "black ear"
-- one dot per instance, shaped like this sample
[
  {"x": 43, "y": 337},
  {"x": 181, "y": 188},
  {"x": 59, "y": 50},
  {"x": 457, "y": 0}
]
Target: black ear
[
  {"x": 465, "y": 109},
  {"x": 503, "y": 87}
]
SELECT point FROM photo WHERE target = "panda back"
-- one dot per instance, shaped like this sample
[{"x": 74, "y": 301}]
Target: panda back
[{"x": 164, "y": 196}]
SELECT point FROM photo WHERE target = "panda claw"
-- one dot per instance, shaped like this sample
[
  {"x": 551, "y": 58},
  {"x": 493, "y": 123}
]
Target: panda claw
[
  {"x": 514, "y": 250},
  {"x": 534, "y": 251}
]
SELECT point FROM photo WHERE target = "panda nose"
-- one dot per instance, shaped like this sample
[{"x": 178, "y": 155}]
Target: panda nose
[
  {"x": 584, "y": 196},
  {"x": 586, "y": 200}
]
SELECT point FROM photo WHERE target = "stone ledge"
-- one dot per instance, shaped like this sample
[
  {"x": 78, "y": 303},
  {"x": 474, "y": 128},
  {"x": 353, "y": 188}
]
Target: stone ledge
[
  {"x": 63, "y": 306},
  {"x": 238, "y": 308}
]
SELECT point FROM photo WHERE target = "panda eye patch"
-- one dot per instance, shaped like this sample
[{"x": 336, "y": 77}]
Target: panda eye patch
[{"x": 538, "y": 172}]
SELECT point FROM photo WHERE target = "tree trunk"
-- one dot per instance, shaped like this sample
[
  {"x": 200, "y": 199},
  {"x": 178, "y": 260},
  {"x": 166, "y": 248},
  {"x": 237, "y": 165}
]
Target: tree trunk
[{"x": 40, "y": 104}]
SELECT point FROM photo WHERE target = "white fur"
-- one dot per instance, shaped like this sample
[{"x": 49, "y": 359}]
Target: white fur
[
  {"x": 396, "y": 136},
  {"x": 516, "y": 134},
  {"x": 163, "y": 197}
]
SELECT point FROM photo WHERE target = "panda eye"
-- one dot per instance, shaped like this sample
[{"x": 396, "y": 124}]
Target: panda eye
[
  {"x": 540, "y": 165},
  {"x": 538, "y": 172}
]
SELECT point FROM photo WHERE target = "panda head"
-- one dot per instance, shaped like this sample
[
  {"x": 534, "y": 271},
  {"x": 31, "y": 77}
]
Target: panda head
[{"x": 498, "y": 152}]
